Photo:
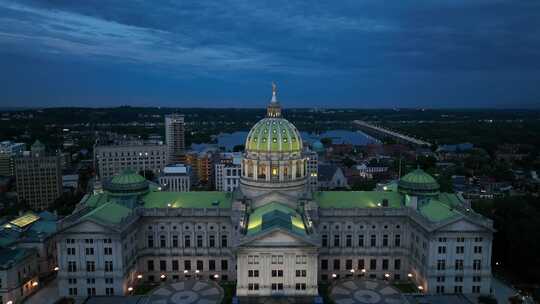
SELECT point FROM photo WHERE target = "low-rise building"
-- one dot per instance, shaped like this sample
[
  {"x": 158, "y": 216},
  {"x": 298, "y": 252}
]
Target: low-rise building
[
  {"x": 176, "y": 178},
  {"x": 227, "y": 171}
]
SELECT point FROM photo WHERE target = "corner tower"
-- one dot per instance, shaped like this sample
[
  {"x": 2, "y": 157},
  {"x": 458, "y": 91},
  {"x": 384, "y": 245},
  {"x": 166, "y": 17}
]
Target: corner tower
[{"x": 273, "y": 160}]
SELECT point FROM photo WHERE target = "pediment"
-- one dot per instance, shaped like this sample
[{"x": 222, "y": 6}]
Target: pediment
[
  {"x": 277, "y": 238},
  {"x": 464, "y": 225},
  {"x": 87, "y": 226}
]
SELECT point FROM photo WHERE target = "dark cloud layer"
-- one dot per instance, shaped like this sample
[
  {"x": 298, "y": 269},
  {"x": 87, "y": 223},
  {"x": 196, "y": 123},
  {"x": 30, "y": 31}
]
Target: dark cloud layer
[{"x": 362, "y": 53}]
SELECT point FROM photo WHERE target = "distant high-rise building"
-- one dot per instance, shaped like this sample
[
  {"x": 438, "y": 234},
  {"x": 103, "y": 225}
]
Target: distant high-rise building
[
  {"x": 8, "y": 151},
  {"x": 38, "y": 177},
  {"x": 175, "y": 137}
]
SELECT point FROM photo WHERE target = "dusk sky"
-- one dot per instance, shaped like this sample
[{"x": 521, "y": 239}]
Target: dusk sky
[{"x": 361, "y": 53}]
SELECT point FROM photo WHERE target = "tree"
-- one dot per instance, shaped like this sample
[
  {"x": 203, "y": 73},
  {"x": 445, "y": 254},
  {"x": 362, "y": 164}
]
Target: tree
[
  {"x": 326, "y": 141},
  {"x": 238, "y": 148},
  {"x": 348, "y": 162}
]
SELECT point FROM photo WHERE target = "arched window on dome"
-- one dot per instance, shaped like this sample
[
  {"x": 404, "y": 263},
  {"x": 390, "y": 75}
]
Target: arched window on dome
[{"x": 274, "y": 173}]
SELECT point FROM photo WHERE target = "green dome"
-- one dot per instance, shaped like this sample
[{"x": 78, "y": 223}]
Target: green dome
[
  {"x": 274, "y": 135},
  {"x": 418, "y": 182},
  {"x": 126, "y": 183}
]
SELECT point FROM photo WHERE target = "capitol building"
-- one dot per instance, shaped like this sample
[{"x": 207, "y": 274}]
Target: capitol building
[{"x": 273, "y": 235}]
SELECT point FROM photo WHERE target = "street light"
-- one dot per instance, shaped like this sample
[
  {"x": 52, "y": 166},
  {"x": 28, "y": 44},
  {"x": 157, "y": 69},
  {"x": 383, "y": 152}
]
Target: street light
[
  {"x": 56, "y": 268},
  {"x": 420, "y": 288},
  {"x": 216, "y": 276},
  {"x": 410, "y": 275},
  {"x": 185, "y": 271},
  {"x": 334, "y": 275},
  {"x": 139, "y": 276},
  {"x": 352, "y": 270},
  {"x": 363, "y": 270},
  {"x": 163, "y": 276},
  {"x": 130, "y": 289},
  {"x": 35, "y": 283}
]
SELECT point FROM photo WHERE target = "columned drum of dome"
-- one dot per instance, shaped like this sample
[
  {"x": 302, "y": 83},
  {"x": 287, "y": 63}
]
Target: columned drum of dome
[{"x": 273, "y": 160}]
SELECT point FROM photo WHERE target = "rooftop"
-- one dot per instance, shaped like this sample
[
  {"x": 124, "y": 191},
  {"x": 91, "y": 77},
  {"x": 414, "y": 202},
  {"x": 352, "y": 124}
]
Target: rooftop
[
  {"x": 275, "y": 214},
  {"x": 198, "y": 199},
  {"x": 357, "y": 199}
]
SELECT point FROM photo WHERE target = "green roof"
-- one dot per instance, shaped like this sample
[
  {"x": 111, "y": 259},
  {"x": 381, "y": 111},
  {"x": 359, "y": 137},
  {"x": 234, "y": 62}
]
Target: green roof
[
  {"x": 275, "y": 214},
  {"x": 274, "y": 135},
  {"x": 197, "y": 199},
  {"x": 418, "y": 176},
  {"x": 437, "y": 211},
  {"x": 127, "y": 177},
  {"x": 10, "y": 257},
  {"x": 357, "y": 199},
  {"x": 109, "y": 212}
]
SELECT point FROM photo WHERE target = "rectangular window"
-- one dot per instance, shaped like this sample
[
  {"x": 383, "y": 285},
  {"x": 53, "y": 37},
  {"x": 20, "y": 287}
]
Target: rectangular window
[
  {"x": 373, "y": 264},
  {"x": 107, "y": 250},
  {"x": 224, "y": 243},
  {"x": 397, "y": 240},
  {"x": 348, "y": 264},
  {"x": 175, "y": 241},
  {"x": 199, "y": 241},
  {"x": 477, "y": 264},
  {"x": 70, "y": 251},
  {"x": 442, "y": 249},
  {"x": 224, "y": 265},
  {"x": 90, "y": 266},
  {"x": 211, "y": 264},
  {"x": 385, "y": 264},
  {"x": 397, "y": 264},
  {"x": 150, "y": 240},
  {"x": 175, "y": 266},
  {"x": 89, "y": 251},
  {"x": 459, "y": 265},
  {"x": 211, "y": 241},
  {"x": 476, "y": 289},
  {"x": 277, "y": 273},
  {"x": 187, "y": 241},
  {"x": 336, "y": 240},
  {"x": 324, "y": 240},
  {"x": 385, "y": 240},
  {"x": 441, "y": 264},
  {"x": 477, "y": 249},
  {"x": 162, "y": 241},
  {"x": 361, "y": 240},
  {"x": 150, "y": 265},
  {"x": 348, "y": 241},
  {"x": 458, "y": 289},
  {"x": 200, "y": 265},
  {"x": 108, "y": 266},
  {"x": 373, "y": 240},
  {"x": 324, "y": 264},
  {"x": 72, "y": 267},
  {"x": 336, "y": 264},
  {"x": 460, "y": 249},
  {"x": 187, "y": 265},
  {"x": 458, "y": 279},
  {"x": 163, "y": 265},
  {"x": 361, "y": 264}
]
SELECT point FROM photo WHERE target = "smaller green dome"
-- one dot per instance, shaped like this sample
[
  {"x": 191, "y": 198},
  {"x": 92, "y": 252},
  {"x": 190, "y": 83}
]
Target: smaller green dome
[
  {"x": 418, "y": 182},
  {"x": 317, "y": 146},
  {"x": 126, "y": 183}
]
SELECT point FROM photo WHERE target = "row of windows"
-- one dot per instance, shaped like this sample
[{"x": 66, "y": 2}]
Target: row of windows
[
  {"x": 458, "y": 264},
  {"x": 89, "y": 251},
  {"x": 187, "y": 241},
  {"x": 90, "y": 266},
  {"x": 91, "y": 291},
  {"x": 361, "y": 242},
  {"x": 459, "y": 249},
  {"x": 350, "y": 227},
  {"x": 199, "y": 227},
  {"x": 458, "y": 289},
  {"x": 88, "y": 241},
  {"x": 360, "y": 264},
  {"x": 89, "y": 281},
  {"x": 459, "y": 279},
  {"x": 175, "y": 265},
  {"x": 461, "y": 239}
]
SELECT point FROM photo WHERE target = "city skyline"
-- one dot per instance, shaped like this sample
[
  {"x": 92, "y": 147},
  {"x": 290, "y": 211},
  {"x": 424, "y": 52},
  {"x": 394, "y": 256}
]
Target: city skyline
[{"x": 369, "y": 54}]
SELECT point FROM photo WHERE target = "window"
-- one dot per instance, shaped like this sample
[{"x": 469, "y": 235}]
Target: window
[
  {"x": 89, "y": 241},
  {"x": 211, "y": 264},
  {"x": 187, "y": 265},
  {"x": 336, "y": 264},
  {"x": 150, "y": 265},
  {"x": 325, "y": 240},
  {"x": 107, "y": 241},
  {"x": 442, "y": 249},
  {"x": 477, "y": 264},
  {"x": 107, "y": 250},
  {"x": 277, "y": 259},
  {"x": 459, "y": 265},
  {"x": 301, "y": 273},
  {"x": 361, "y": 240},
  {"x": 200, "y": 265},
  {"x": 373, "y": 240},
  {"x": 348, "y": 241},
  {"x": 224, "y": 244},
  {"x": 109, "y": 291},
  {"x": 71, "y": 251},
  {"x": 336, "y": 240},
  {"x": 361, "y": 264},
  {"x": 175, "y": 241},
  {"x": 460, "y": 239},
  {"x": 300, "y": 286},
  {"x": 89, "y": 251},
  {"x": 108, "y": 266},
  {"x": 162, "y": 241},
  {"x": 441, "y": 279},
  {"x": 72, "y": 267},
  {"x": 253, "y": 286},
  {"x": 460, "y": 249},
  {"x": 477, "y": 249},
  {"x": 72, "y": 281},
  {"x": 441, "y": 264},
  {"x": 163, "y": 265},
  {"x": 458, "y": 289},
  {"x": 476, "y": 289},
  {"x": 373, "y": 264},
  {"x": 385, "y": 264},
  {"x": 458, "y": 279},
  {"x": 277, "y": 273},
  {"x": 385, "y": 240},
  {"x": 478, "y": 239},
  {"x": 187, "y": 241},
  {"x": 301, "y": 259},
  {"x": 477, "y": 279},
  {"x": 440, "y": 289},
  {"x": 278, "y": 286},
  {"x": 150, "y": 240},
  {"x": 211, "y": 241},
  {"x": 72, "y": 291},
  {"x": 324, "y": 264},
  {"x": 90, "y": 266},
  {"x": 348, "y": 264},
  {"x": 397, "y": 240},
  {"x": 225, "y": 264},
  {"x": 199, "y": 241},
  {"x": 175, "y": 265},
  {"x": 91, "y": 291},
  {"x": 442, "y": 239},
  {"x": 254, "y": 260},
  {"x": 397, "y": 264},
  {"x": 253, "y": 273}
]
